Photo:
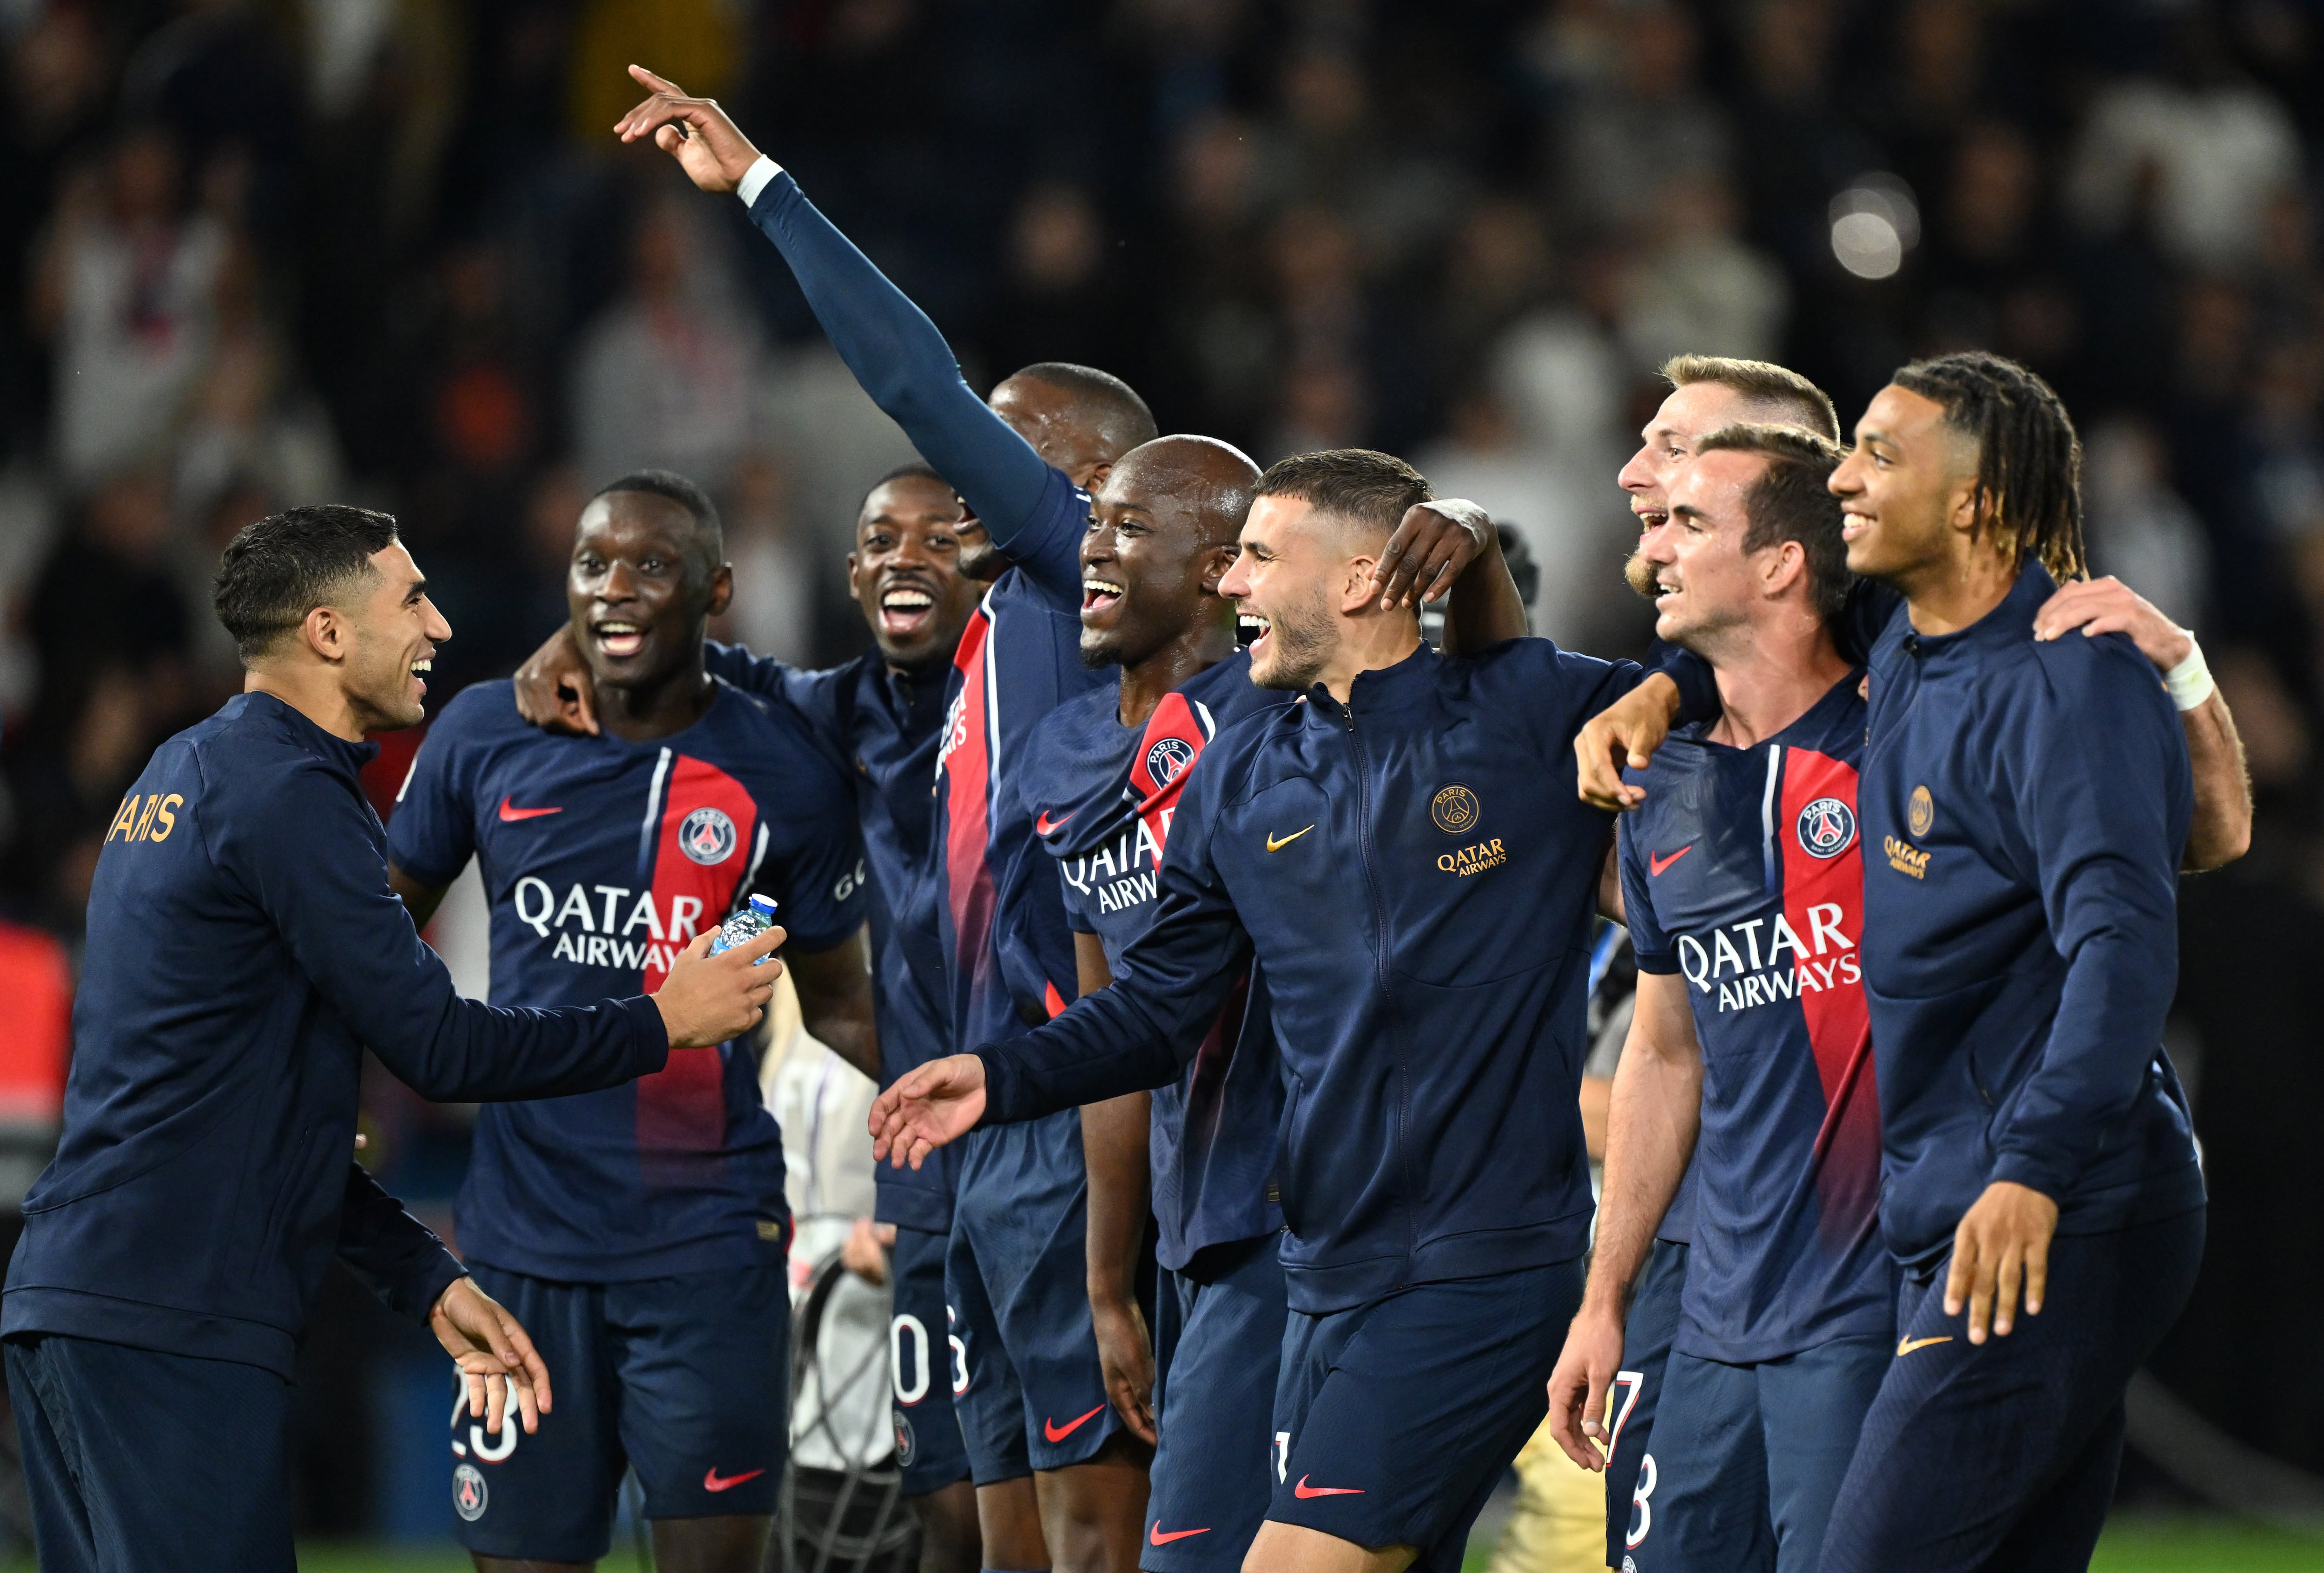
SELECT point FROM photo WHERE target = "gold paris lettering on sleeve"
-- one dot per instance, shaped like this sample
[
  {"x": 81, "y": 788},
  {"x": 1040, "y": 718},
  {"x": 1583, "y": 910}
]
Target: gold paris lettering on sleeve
[{"x": 146, "y": 819}]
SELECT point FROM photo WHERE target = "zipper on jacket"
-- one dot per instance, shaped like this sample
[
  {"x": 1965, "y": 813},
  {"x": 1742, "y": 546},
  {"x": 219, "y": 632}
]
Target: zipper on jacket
[{"x": 1406, "y": 1188}]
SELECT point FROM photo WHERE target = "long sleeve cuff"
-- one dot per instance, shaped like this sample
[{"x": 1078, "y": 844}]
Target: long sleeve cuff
[{"x": 755, "y": 180}]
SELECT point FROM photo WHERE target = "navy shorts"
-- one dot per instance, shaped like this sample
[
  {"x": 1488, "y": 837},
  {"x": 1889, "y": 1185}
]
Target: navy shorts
[
  {"x": 1394, "y": 1420},
  {"x": 685, "y": 1379},
  {"x": 1214, "y": 1408},
  {"x": 1630, "y": 1403},
  {"x": 135, "y": 1459},
  {"x": 2002, "y": 1456},
  {"x": 1747, "y": 1460},
  {"x": 926, "y": 1365},
  {"x": 1017, "y": 1278}
]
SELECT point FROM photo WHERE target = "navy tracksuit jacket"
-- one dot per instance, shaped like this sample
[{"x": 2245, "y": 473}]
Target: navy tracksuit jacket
[
  {"x": 244, "y": 949},
  {"x": 2024, "y": 806},
  {"x": 1417, "y": 877}
]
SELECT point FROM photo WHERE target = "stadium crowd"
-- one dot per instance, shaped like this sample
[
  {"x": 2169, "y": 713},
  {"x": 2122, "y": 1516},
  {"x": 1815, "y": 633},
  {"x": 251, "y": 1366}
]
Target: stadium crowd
[{"x": 254, "y": 256}]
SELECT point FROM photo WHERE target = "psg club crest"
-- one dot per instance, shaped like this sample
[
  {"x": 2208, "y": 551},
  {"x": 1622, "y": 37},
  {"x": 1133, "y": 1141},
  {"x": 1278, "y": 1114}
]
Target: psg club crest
[
  {"x": 904, "y": 1442},
  {"x": 1166, "y": 759},
  {"x": 1455, "y": 810},
  {"x": 469, "y": 1493},
  {"x": 1827, "y": 827},
  {"x": 706, "y": 836}
]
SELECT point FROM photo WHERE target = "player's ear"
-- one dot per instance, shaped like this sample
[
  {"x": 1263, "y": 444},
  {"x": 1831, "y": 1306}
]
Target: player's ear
[
  {"x": 854, "y": 588},
  {"x": 326, "y": 633},
  {"x": 1357, "y": 590},
  {"x": 721, "y": 589},
  {"x": 1783, "y": 567}
]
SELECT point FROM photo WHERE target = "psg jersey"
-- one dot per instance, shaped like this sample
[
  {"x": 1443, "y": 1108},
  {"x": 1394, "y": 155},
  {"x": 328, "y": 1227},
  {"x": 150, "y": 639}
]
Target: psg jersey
[
  {"x": 1102, "y": 796},
  {"x": 1009, "y": 953},
  {"x": 1743, "y": 873},
  {"x": 601, "y": 857},
  {"x": 885, "y": 724}
]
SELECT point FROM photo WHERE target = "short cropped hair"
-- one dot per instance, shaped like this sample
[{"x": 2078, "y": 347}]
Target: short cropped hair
[
  {"x": 274, "y": 571},
  {"x": 1763, "y": 383},
  {"x": 1112, "y": 407},
  {"x": 1358, "y": 485},
  {"x": 709, "y": 535},
  {"x": 2029, "y": 458},
  {"x": 915, "y": 471},
  {"x": 1792, "y": 501}
]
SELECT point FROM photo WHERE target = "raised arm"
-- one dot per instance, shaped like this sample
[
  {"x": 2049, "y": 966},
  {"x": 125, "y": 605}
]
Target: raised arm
[{"x": 896, "y": 353}]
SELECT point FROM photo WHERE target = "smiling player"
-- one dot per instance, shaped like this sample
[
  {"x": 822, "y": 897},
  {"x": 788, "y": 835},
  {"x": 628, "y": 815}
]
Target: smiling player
[
  {"x": 1743, "y": 885},
  {"x": 642, "y": 1231},
  {"x": 1366, "y": 847},
  {"x": 883, "y": 712}
]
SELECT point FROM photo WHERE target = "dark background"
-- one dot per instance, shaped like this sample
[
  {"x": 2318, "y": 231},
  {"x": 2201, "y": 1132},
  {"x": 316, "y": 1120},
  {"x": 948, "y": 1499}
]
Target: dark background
[{"x": 385, "y": 250}]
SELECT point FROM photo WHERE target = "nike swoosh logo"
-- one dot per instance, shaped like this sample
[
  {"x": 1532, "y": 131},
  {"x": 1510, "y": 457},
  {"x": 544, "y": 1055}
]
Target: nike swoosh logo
[
  {"x": 510, "y": 815},
  {"x": 1906, "y": 1346},
  {"x": 1043, "y": 826},
  {"x": 710, "y": 1481},
  {"x": 1058, "y": 1433},
  {"x": 1657, "y": 865},
  {"x": 1304, "y": 1490},
  {"x": 1276, "y": 846},
  {"x": 1159, "y": 1537}
]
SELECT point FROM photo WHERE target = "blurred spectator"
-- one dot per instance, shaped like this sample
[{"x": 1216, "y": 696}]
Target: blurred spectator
[
  {"x": 1573, "y": 520},
  {"x": 126, "y": 286},
  {"x": 1062, "y": 301},
  {"x": 776, "y": 574},
  {"x": 1634, "y": 122},
  {"x": 2215, "y": 146},
  {"x": 669, "y": 375},
  {"x": 1699, "y": 289},
  {"x": 2138, "y": 529}
]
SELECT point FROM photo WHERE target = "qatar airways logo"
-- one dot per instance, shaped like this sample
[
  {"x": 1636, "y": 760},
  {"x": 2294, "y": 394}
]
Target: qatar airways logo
[
  {"x": 1124, "y": 874},
  {"x": 1759, "y": 980},
  {"x": 598, "y": 925}
]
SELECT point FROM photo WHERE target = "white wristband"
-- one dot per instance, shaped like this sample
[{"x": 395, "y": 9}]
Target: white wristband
[
  {"x": 2189, "y": 682},
  {"x": 755, "y": 178}
]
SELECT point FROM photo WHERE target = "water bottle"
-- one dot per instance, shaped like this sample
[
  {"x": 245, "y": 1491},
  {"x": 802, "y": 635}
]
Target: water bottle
[{"x": 746, "y": 925}]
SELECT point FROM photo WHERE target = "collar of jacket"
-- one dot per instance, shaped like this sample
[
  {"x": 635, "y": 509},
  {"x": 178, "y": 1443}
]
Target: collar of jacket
[
  {"x": 2007, "y": 624},
  {"x": 1412, "y": 681},
  {"x": 325, "y": 746}
]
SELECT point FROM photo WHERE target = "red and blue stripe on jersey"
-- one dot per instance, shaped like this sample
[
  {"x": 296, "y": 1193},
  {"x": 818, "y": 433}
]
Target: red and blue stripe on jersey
[
  {"x": 1106, "y": 795},
  {"x": 1010, "y": 954},
  {"x": 601, "y": 857},
  {"x": 1743, "y": 875}
]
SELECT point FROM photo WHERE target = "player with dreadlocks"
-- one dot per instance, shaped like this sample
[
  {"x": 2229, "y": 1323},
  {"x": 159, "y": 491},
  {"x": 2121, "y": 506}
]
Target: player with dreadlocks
[{"x": 2024, "y": 805}]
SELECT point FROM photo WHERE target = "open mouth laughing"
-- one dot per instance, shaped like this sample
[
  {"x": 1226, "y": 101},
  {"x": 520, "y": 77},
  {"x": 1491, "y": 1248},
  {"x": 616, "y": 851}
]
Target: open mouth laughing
[
  {"x": 905, "y": 609},
  {"x": 1098, "y": 596},
  {"x": 619, "y": 638}
]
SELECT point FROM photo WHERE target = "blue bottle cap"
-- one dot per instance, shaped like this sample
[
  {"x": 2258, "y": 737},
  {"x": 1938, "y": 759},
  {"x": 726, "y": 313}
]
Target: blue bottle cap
[{"x": 764, "y": 905}]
